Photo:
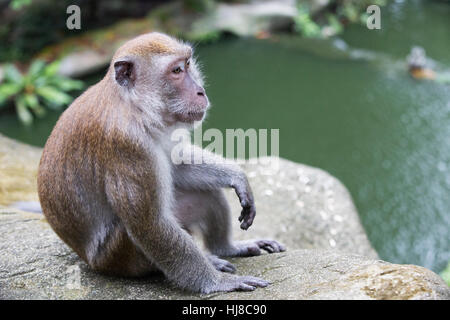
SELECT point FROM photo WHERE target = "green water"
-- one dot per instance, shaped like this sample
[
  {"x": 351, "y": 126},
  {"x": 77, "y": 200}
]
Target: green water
[{"x": 383, "y": 134}]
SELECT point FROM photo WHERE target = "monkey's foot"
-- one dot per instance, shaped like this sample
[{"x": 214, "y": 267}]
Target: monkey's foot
[
  {"x": 253, "y": 248},
  {"x": 221, "y": 265},
  {"x": 230, "y": 283}
]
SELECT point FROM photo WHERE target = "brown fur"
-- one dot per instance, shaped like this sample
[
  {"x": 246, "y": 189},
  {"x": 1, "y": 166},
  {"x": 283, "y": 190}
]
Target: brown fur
[
  {"x": 85, "y": 144},
  {"x": 151, "y": 44}
]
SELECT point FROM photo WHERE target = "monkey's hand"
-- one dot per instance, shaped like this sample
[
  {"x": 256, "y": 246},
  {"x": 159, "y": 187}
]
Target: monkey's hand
[
  {"x": 230, "y": 283},
  {"x": 245, "y": 195}
]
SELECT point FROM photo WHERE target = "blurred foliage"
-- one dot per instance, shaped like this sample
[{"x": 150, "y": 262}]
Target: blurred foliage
[
  {"x": 30, "y": 25},
  {"x": 18, "y": 4},
  {"x": 304, "y": 23},
  {"x": 28, "y": 28},
  {"x": 199, "y": 5},
  {"x": 354, "y": 11},
  {"x": 445, "y": 274},
  {"x": 204, "y": 37},
  {"x": 40, "y": 87},
  {"x": 333, "y": 18}
]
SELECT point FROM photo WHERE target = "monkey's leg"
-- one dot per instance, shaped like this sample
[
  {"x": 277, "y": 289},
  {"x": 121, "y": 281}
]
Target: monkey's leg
[
  {"x": 210, "y": 212},
  {"x": 194, "y": 209},
  {"x": 122, "y": 257}
]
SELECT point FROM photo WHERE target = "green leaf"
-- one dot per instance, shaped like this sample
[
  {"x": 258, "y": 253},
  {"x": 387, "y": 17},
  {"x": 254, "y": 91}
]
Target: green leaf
[
  {"x": 12, "y": 74},
  {"x": 54, "y": 96},
  {"x": 24, "y": 115},
  {"x": 351, "y": 12},
  {"x": 51, "y": 69},
  {"x": 39, "y": 111},
  {"x": 304, "y": 23},
  {"x": 32, "y": 101},
  {"x": 335, "y": 24},
  {"x": 40, "y": 81},
  {"x": 36, "y": 67},
  {"x": 67, "y": 84},
  {"x": 9, "y": 89}
]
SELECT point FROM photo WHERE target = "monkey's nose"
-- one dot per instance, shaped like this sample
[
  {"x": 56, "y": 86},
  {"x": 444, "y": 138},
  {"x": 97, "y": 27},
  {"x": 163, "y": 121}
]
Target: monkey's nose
[{"x": 200, "y": 91}]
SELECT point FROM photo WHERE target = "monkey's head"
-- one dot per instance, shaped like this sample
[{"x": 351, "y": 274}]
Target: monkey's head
[{"x": 158, "y": 74}]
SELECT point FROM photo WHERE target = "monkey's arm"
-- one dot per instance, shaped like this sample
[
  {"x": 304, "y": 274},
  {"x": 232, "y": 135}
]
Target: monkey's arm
[{"x": 207, "y": 171}]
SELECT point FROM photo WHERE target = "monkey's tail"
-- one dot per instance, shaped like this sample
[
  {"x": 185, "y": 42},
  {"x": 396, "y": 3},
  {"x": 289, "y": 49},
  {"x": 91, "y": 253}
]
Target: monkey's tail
[{"x": 28, "y": 206}]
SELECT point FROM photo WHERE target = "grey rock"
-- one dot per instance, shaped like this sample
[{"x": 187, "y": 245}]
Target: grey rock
[
  {"x": 36, "y": 264},
  {"x": 247, "y": 19},
  {"x": 18, "y": 171},
  {"x": 80, "y": 63}
]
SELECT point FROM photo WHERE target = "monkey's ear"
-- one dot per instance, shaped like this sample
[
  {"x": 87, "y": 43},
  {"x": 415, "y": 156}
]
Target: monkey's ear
[{"x": 125, "y": 73}]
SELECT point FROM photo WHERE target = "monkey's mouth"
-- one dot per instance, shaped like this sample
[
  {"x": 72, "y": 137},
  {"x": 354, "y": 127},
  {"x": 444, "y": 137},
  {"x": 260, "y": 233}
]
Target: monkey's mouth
[
  {"x": 190, "y": 116},
  {"x": 196, "y": 115}
]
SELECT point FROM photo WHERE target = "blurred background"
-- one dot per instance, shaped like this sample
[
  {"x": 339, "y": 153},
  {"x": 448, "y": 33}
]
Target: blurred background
[{"x": 372, "y": 107}]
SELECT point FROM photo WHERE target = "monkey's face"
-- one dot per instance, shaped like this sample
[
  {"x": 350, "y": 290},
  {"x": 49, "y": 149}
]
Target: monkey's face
[
  {"x": 186, "y": 99},
  {"x": 158, "y": 75}
]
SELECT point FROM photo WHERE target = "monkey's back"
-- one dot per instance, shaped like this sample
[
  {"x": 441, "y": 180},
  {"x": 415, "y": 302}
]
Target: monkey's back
[{"x": 81, "y": 149}]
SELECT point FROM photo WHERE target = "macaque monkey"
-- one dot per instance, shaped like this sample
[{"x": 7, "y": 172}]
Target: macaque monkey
[{"x": 109, "y": 189}]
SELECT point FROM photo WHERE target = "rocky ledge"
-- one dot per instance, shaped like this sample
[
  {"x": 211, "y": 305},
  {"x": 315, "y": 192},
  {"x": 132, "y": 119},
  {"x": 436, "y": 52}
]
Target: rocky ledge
[
  {"x": 328, "y": 256},
  {"x": 35, "y": 264}
]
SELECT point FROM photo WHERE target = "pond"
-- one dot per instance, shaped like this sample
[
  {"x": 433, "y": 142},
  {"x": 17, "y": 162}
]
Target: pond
[{"x": 347, "y": 106}]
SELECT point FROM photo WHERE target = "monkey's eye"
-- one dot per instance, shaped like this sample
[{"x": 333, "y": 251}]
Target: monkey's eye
[
  {"x": 177, "y": 70},
  {"x": 188, "y": 63}
]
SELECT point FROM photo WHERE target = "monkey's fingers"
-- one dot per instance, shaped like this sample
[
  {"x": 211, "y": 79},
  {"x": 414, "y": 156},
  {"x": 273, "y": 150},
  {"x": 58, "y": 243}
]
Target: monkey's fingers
[
  {"x": 271, "y": 246},
  {"x": 247, "y": 216}
]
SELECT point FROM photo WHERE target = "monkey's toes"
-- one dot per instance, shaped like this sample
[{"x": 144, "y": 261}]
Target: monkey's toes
[
  {"x": 230, "y": 283},
  {"x": 271, "y": 246},
  {"x": 221, "y": 265},
  {"x": 245, "y": 249},
  {"x": 248, "y": 283}
]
